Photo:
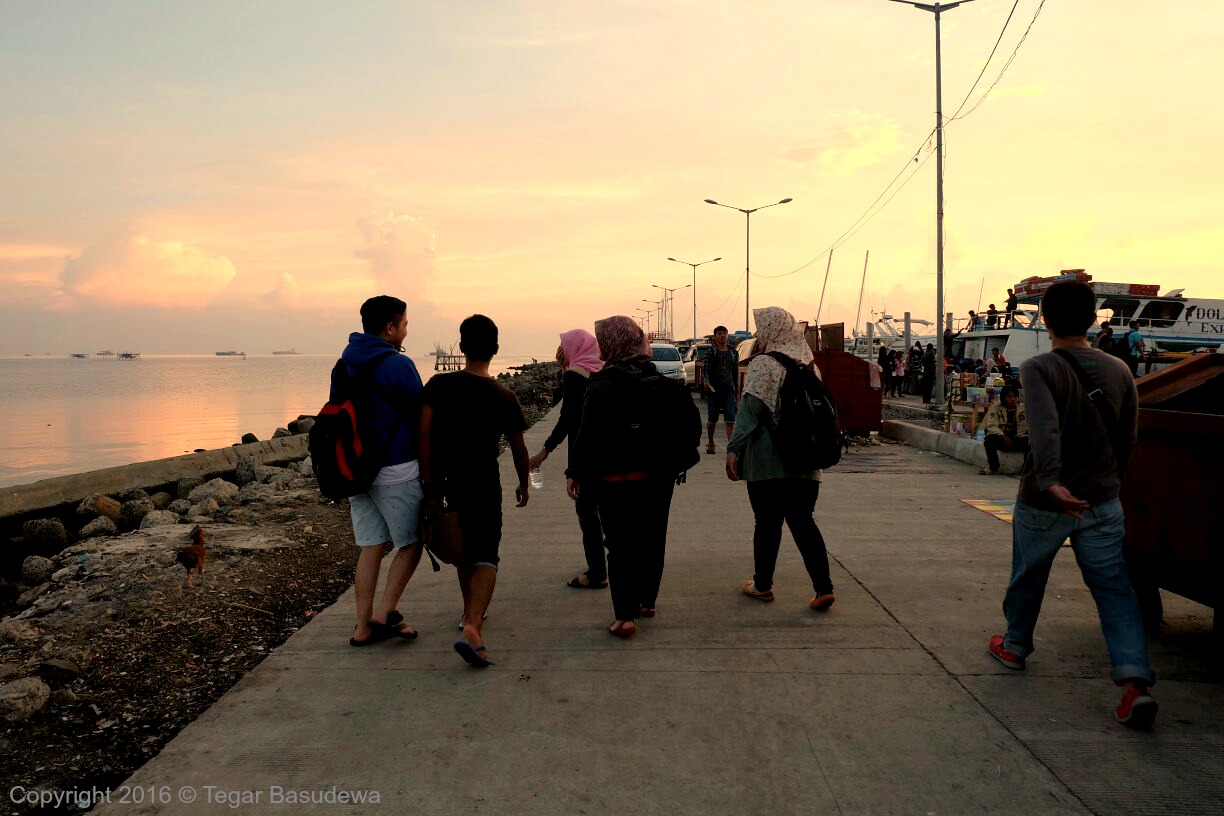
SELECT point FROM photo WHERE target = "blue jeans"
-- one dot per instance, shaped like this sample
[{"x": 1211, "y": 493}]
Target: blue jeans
[{"x": 1096, "y": 538}]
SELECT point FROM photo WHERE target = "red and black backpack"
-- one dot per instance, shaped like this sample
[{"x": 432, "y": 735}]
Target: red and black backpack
[{"x": 346, "y": 452}]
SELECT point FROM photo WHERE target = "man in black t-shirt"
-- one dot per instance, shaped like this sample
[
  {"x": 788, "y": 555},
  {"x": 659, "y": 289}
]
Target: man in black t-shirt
[{"x": 464, "y": 415}]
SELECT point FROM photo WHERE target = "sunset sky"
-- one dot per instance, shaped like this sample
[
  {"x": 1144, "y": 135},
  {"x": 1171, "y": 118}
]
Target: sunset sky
[{"x": 186, "y": 177}]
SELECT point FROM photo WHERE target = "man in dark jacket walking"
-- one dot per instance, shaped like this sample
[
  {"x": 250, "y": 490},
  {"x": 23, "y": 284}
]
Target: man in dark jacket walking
[{"x": 388, "y": 387}]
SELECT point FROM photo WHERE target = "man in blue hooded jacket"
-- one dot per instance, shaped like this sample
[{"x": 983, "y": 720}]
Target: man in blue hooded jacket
[{"x": 389, "y": 388}]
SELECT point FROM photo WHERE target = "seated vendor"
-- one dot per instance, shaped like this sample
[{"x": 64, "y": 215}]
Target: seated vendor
[
  {"x": 1000, "y": 362},
  {"x": 1005, "y": 427}
]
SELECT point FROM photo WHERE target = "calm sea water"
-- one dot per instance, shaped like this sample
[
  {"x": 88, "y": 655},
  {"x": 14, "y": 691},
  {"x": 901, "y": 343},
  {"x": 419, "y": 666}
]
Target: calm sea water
[{"x": 62, "y": 415}]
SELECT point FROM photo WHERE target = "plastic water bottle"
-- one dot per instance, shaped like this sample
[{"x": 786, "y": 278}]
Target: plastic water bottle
[
  {"x": 980, "y": 436},
  {"x": 536, "y": 478}
]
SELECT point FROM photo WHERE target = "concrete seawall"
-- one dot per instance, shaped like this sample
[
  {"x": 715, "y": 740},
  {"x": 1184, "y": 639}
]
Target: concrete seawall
[
  {"x": 962, "y": 448},
  {"x": 50, "y": 494}
]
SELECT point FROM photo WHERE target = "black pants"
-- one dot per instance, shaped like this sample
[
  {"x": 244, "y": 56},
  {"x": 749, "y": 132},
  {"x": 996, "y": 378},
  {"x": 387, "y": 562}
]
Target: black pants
[
  {"x": 994, "y": 444},
  {"x": 634, "y": 516},
  {"x": 928, "y": 387},
  {"x": 592, "y": 536},
  {"x": 793, "y": 501}
]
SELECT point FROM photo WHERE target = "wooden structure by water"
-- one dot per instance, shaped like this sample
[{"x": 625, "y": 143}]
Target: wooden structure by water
[{"x": 448, "y": 362}]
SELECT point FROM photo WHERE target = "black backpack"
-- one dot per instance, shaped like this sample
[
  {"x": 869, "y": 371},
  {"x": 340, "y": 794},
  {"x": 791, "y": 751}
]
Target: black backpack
[
  {"x": 1121, "y": 347},
  {"x": 805, "y": 432},
  {"x": 346, "y": 452},
  {"x": 657, "y": 427}
]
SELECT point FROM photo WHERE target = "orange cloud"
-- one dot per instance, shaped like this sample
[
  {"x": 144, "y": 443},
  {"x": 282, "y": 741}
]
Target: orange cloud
[
  {"x": 399, "y": 249},
  {"x": 133, "y": 269},
  {"x": 288, "y": 292}
]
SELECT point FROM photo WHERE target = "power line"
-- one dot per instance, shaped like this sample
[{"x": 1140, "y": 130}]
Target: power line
[
  {"x": 986, "y": 64},
  {"x": 1006, "y": 65},
  {"x": 867, "y": 214}
]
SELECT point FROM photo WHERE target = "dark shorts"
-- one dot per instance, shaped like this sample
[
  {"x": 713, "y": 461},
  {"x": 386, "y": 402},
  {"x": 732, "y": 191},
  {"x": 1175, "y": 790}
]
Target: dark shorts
[
  {"x": 480, "y": 518},
  {"x": 721, "y": 402}
]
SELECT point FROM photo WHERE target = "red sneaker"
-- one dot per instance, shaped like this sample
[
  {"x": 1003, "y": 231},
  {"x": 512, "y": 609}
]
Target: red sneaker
[
  {"x": 1138, "y": 707},
  {"x": 1011, "y": 661}
]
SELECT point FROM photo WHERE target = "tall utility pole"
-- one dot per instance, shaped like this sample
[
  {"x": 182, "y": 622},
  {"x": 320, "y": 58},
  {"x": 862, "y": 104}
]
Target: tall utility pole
[
  {"x": 748, "y": 248},
  {"x": 938, "y": 9},
  {"x": 695, "y": 265}
]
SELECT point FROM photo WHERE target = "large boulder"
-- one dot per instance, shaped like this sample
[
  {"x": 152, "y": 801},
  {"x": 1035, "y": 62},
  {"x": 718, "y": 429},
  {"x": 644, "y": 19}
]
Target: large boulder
[
  {"x": 254, "y": 492},
  {"x": 101, "y": 526},
  {"x": 58, "y": 672},
  {"x": 132, "y": 495},
  {"x": 158, "y": 518},
  {"x": 185, "y": 486},
  {"x": 45, "y": 534},
  {"x": 248, "y": 438},
  {"x": 204, "y": 508},
  {"x": 161, "y": 500},
  {"x": 36, "y": 569},
  {"x": 22, "y": 699},
  {"x": 279, "y": 432},
  {"x": 247, "y": 471},
  {"x": 219, "y": 490},
  {"x": 18, "y": 632},
  {"x": 100, "y": 505},
  {"x": 278, "y": 477},
  {"x": 179, "y": 506},
  {"x": 301, "y": 426},
  {"x": 306, "y": 467},
  {"x": 134, "y": 511}
]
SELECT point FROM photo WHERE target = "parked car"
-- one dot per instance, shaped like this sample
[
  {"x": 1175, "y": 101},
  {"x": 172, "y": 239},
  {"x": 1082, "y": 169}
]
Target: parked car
[
  {"x": 693, "y": 361},
  {"x": 666, "y": 358}
]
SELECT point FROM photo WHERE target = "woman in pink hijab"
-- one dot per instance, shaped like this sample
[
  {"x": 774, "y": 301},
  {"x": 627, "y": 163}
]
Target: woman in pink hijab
[{"x": 578, "y": 355}]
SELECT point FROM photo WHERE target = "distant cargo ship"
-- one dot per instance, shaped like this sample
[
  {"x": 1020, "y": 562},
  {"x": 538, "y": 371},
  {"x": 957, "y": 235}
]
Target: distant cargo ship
[
  {"x": 231, "y": 353},
  {"x": 290, "y": 351}
]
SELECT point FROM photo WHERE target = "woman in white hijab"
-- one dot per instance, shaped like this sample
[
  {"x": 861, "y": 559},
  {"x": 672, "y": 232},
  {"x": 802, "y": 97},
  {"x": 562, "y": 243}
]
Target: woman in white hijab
[{"x": 776, "y": 492}]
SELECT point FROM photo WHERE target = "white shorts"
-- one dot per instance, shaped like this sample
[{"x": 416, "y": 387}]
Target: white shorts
[{"x": 387, "y": 513}]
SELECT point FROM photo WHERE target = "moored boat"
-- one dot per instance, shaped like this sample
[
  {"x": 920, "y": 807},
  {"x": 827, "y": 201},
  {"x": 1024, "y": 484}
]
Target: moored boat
[{"x": 1172, "y": 325}]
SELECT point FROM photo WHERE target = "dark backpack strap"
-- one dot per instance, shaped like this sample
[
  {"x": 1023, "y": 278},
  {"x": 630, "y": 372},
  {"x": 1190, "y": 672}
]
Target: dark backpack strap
[{"x": 1096, "y": 396}]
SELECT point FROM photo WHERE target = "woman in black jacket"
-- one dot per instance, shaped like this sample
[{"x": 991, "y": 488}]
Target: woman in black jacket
[
  {"x": 578, "y": 355},
  {"x": 639, "y": 431}
]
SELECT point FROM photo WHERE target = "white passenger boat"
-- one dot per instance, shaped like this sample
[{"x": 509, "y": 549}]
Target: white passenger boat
[{"x": 1172, "y": 325}]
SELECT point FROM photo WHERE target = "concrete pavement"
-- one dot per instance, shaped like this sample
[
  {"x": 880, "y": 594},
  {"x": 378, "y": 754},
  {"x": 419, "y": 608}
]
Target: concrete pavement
[{"x": 887, "y": 703}]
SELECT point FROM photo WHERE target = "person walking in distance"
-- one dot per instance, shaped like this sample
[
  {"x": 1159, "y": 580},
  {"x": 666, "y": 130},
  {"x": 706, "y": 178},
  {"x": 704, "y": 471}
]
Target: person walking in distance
[
  {"x": 1082, "y": 411},
  {"x": 387, "y": 514},
  {"x": 464, "y": 415},
  {"x": 578, "y": 355},
  {"x": 929, "y": 372},
  {"x": 776, "y": 491},
  {"x": 721, "y": 369}
]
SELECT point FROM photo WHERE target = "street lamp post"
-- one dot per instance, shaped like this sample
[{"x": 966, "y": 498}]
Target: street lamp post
[
  {"x": 669, "y": 311},
  {"x": 695, "y": 265},
  {"x": 937, "y": 9},
  {"x": 658, "y": 307},
  {"x": 748, "y": 244},
  {"x": 645, "y": 313}
]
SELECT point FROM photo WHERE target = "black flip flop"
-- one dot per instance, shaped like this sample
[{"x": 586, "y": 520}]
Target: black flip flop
[
  {"x": 472, "y": 654},
  {"x": 377, "y": 635}
]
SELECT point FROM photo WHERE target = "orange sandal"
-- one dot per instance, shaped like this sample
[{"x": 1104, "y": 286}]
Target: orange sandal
[
  {"x": 623, "y": 629},
  {"x": 749, "y": 589}
]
